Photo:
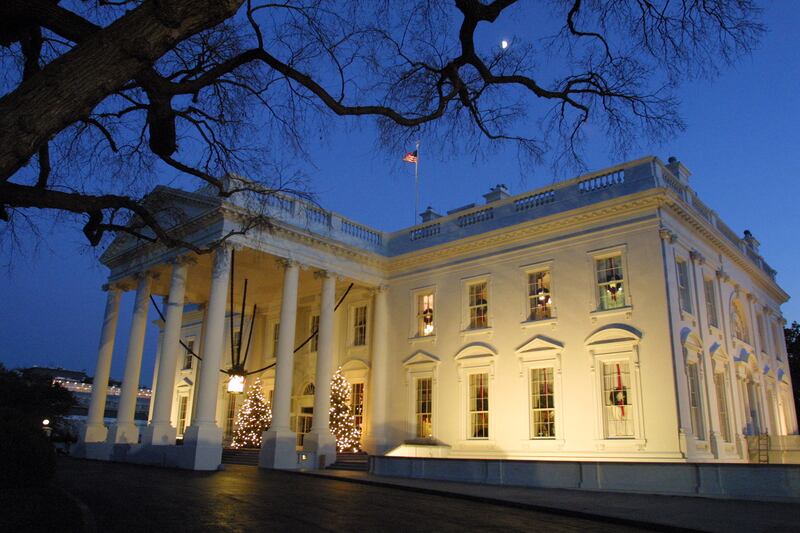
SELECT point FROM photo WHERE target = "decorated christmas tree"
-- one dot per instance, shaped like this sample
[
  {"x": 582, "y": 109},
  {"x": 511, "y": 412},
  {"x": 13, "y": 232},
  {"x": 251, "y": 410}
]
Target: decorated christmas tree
[
  {"x": 343, "y": 423},
  {"x": 254, "y": 418}
]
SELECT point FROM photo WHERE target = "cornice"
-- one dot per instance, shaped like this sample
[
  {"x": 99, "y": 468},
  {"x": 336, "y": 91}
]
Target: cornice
[
  {"x": 565, "y": 220},
  {"x": 679, "y": 208}
]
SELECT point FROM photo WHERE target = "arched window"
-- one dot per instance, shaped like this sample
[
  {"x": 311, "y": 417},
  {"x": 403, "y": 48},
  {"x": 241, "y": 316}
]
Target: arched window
[
  {"x": 739, "y": 323},
  {"x": 308, "y": 390}
]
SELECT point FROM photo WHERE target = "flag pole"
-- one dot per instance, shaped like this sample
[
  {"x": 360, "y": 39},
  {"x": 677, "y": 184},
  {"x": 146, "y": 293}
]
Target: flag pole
[{"x": 416, "y": 186}]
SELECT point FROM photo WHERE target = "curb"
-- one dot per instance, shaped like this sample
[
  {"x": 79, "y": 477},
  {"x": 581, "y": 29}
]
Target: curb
[
  {"x": 89, "y": 524},
  {"x": 643, "y": 524}
]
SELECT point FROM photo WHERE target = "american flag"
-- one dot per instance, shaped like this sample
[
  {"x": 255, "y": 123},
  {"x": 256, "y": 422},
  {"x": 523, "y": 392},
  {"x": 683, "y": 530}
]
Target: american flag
[{"x": 410, "y": 157}]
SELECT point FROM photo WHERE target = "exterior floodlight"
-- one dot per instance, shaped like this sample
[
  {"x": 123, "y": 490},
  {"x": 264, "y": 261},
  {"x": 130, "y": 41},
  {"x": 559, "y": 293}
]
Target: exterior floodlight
[
  {"x": 236, "y": 384},
  {"x": 46, "y": 422},
  {"x": 504, "y": 44}
]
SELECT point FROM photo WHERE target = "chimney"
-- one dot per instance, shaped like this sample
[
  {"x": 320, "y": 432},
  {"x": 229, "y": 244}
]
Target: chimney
[
  {"x": 751, "y": 241},
  {"x": 678, "y": 170},
  {"x": 429, "y": 214},
  {"x": 496, "y": 193}
]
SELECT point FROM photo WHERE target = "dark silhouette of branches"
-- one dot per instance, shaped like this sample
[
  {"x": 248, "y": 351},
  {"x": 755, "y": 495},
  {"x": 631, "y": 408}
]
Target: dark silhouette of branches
[{"x": 99, "y": 96}]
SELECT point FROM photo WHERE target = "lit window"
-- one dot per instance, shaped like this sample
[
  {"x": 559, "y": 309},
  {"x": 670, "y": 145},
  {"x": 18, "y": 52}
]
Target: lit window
[
  {"x": 711, "y": 302},
  {"x": 425, "y": 315},
  {"x": 722, "y": 405},
  {"x": 230, "y": 416},
  {"x": 315, "y": 332},
  {"x": 684, "y": 290},
  {"x": 618, "y": 400},
  {"x": 478, "y": 305},
  {"x": 610, "y": 282},
  {"x": 424, "y": 408},
  {"x": 182, "y": 403},
  {"x": 695, "y": 401},
  {"x": 187, "y": 358},
  {"x": 539, "y": 298},
  {"x": 543, "y": 412},
  {"x": 357, "y": 403},
  {"x": 303, "y": 424},
  {"x": 479, "y": 406},
  {"x": 360, "y": 326}
]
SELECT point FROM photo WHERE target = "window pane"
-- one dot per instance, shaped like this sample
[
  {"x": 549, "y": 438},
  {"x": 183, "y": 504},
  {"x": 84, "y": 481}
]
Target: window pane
[
  {"x": 543, "y": 414},
  {"x": 425, "y": 315},
  {"x": 539, "y": 298},
  {"x": 695, "y": 402},
  {"x": 315, "y": 331},
  {"x": 617, "y": 400},
  {"x": 684, "y": 291},
  {"x": 357, "y": 403},
  {"x": 478, "y": 406},
  {"x": 722, "y": 405},
  {"x": 478, "y": 305},
  {"x": 610, "y": 282},
  {"x": 711, "y": 302},
  {"x": 424, "y": 408},
  {"x": 360, "y": 326}
]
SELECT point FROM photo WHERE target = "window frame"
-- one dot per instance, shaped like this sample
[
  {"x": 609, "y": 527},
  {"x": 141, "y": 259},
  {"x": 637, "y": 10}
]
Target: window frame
[
  {"x": 418, "y": 412},
  {"x": 415, "y": 318},
  {"x": 188, "y": 363},
  {"x": 528, "y": 271},
  {"x": 712, "y": 308},
  {"x": 723, "y": 405},
  {"x": 351, "y": 324},
  {"x": 596, "y": 301},
  {"x": 476, "y": 358},
  {"x": 682, "y": 269},
  {"x": 551, "y": 408},
  {"x": 473, "y": 385},
  {"x": 421, "y": 365},
  {"x": 466, "y": 283}
]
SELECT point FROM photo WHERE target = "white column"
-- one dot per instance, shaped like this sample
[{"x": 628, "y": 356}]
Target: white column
[
  {"x": 204, "y": 436},
  {"x": 95, "y": 430},
  {"x": 125, "y": 430},
  {"x": 160, "y": 431},
  {"x": 320, "y": 440},
  {"x": 278, "y": 443},
  {"x": 378, "y": 393}
]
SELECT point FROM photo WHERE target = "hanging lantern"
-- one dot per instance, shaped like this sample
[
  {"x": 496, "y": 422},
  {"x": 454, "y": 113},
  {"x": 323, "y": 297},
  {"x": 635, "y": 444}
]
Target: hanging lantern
[
  {"x": 543, "y": 296},
  {"x": 236, "y": 380},
  {"x": 614, "y": 287}
]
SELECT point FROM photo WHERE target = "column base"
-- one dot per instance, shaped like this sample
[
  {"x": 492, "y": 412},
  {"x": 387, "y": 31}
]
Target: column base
[
  {"x": 203, "y": 444},
  {"x": 323, "y": 445},
  {"x": 124, "y": 433},
  {"x": 159, "y": 434},
  {"x": 93, "y": 433},
  {"x": 278, "y": 450},
  {"x": 374, "y": 445}
]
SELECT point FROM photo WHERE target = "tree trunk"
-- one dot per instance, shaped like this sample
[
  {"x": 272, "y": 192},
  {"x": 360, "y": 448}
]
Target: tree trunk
[{"x": 68, "y": 89}]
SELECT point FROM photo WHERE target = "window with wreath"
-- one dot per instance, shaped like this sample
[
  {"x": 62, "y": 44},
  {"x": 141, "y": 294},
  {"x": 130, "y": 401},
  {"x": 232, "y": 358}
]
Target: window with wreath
[
  {"x": 711, "y": 302},
  {"x": 360, "y": 326},
  {"x": 617, "y": 400},
  {"x": 684, "y": 287},
  {"x": 478, "y": 304},
  {"x": 425, "y": 314},
  {"x": 739, "y": 323},
  {"x": 722, "y": 404},
  {"x": 540, "y": 301},
  {"x": 695, "y": 401},
  {"x": 423, "y": 408},
  {"x": 610, "y": 280},
  {"x": 543, "y": 409},
  {"x": 478, "y": 406}
]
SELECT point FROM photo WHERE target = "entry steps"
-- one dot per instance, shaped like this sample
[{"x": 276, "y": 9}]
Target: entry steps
[
  {"x": 351, "y": 461},
  {"x": 240, "y": 456}
]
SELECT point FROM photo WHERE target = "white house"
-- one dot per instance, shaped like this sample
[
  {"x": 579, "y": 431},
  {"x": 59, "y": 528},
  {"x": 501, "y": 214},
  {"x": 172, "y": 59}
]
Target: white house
[{"x": 613, "y": 316}]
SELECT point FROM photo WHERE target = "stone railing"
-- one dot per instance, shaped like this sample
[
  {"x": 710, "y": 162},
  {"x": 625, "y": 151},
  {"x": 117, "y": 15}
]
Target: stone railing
[
  {"x": 535, "y": 200},
  {"x": 360, "y": 232},
  {"x": 603, "y": 181},
  {"x": 424, "y": 232},
  {"x": 474, "y": 217}
]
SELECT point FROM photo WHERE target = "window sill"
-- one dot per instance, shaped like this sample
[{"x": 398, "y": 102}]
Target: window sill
[
  {"x": 552, "y": 321},
  {"x": 543, "y": 444},
  {"x": 422, "y": 338},
  {"x": 621, "y": 443},
  {"x": 687, "y": 316},
  {"x": 625, "y": 311},
  {"x": 487, "y": 444},
  {"x": 477, "y": 331}
]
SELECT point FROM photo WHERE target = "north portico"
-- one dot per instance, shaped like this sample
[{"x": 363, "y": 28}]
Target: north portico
[
  {"x": 611, "y": 317},
  {"x": 286, "y": 271}
]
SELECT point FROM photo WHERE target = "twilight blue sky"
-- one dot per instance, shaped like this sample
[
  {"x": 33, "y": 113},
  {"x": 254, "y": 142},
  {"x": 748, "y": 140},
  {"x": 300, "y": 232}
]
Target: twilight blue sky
[{"x": 741, "y": 144}]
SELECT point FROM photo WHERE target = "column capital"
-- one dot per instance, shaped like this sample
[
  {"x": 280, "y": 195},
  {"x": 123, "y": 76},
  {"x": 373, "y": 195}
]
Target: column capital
[
  {"x": 722, "y": 275},
  {"x": 697, "y": 257},
  {"x": 380, "y": 289},
  {"x": 116, "y": 286},
  {"x": 186, "y": 259},
  {"x": 327, "y": 274},
  {"x": 752, "y": 298},
  {"x": 667, "y": 235},
  {"x": 146, "y": 274},
  {"x": 285, "y": 262}
]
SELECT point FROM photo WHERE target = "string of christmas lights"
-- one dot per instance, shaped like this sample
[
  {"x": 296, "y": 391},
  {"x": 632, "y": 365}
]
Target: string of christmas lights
[
  {"x": 254, "y": 418},
  {"x": 342, "y": 422}
]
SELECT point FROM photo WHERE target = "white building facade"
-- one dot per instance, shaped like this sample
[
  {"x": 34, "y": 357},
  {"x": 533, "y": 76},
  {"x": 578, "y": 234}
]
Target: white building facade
[{"x": 610, "y": 317}]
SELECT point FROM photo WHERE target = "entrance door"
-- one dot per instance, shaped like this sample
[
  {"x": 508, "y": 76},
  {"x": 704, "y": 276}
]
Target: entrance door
[{"x": 304, "y": 419}]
